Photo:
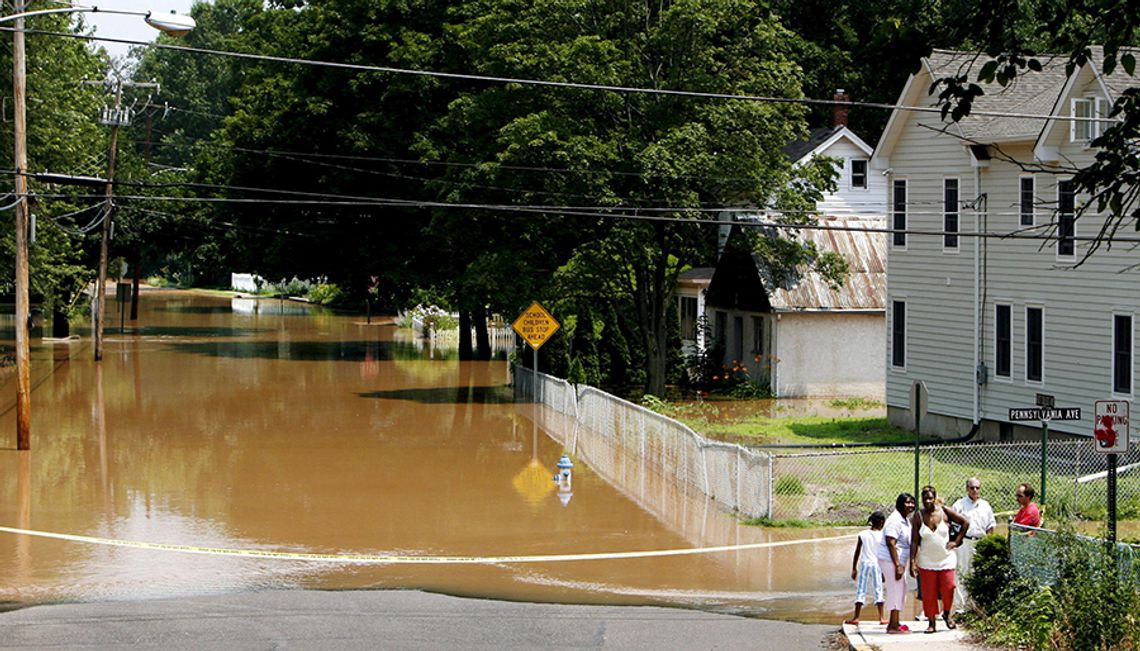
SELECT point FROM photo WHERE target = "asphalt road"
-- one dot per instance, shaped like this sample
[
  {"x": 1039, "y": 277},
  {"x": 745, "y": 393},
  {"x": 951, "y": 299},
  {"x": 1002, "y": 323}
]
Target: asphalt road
[{"x": 302, "y": 619}]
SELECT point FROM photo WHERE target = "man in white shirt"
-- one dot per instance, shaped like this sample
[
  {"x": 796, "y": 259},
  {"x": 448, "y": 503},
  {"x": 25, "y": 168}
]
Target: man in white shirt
[{"x": 982, "y": 522}]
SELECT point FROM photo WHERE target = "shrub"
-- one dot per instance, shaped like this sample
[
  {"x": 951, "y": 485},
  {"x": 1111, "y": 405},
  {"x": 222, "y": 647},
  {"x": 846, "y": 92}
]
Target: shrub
[
  {"x": 992, "y": 571},
  {"x": 324, "y": 294}
]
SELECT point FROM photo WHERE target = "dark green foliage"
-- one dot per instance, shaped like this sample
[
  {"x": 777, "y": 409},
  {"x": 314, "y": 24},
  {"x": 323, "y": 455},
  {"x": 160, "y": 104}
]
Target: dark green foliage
[
  {"x": 1091, "y": 601},
  {"x": 992, "y": 571}
]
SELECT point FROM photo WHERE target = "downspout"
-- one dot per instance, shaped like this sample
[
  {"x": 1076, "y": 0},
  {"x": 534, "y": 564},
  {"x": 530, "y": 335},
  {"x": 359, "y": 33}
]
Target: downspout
[{"x": 978, "y": 239}]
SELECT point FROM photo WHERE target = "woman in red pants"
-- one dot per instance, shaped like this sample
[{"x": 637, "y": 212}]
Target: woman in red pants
[{"x": 934, "y": 555}]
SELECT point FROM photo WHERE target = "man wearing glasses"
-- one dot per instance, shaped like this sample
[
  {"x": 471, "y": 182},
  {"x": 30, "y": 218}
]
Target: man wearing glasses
[{"x": 982, "y": 522}]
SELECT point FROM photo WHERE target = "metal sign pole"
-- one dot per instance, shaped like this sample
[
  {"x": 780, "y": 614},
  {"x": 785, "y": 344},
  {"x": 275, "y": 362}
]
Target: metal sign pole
[
  {"x": 1044, "y": 455},
  {"x": 1112, "y": 498}
]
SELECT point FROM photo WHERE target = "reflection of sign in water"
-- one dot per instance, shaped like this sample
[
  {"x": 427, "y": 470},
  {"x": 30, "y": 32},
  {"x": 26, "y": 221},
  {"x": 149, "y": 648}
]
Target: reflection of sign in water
[
  {"x": 535, "y": 325},
  {"x": 533, "y": 482}
]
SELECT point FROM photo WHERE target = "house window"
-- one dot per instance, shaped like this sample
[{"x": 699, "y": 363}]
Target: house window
[
  {"x": 1066, "y": 219},
  {"x": 1095, "y": 110},
  {"x": 859, "y": 173},
  {"x": 1122, "y": 353},
  {"x": 721, "y": 326},
  {"x": 899, "y": 222},
  {"x": 689, "y": 317},
  {"x": 758, "y": 336},
  {"x": 1034, "y": 343},
  {"x": 1003, "y": 340},
  {"x": 950, "y": 213},
  {"x": 898, "y": 334},
  {"x": 1082, "y": 130},
  {"x": 1028, "y": 197}
]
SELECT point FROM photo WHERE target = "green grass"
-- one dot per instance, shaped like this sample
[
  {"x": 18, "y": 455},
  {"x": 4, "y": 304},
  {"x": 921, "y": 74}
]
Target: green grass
[{"x": 762, "y": 430}]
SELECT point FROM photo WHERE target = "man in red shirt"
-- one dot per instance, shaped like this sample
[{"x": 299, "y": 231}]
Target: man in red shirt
[{"x": 1029, "y": 515}]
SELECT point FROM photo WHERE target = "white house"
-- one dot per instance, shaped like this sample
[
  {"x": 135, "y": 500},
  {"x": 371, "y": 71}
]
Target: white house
[
  {"x": 794, "y": 330},
  {"x": 994, "y": 323},
  {"x": 858, "y": 192}
]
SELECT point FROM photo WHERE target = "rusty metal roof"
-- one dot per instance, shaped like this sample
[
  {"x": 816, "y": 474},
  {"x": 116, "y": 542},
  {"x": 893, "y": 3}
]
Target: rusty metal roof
[{"x": 865, "y": 287}]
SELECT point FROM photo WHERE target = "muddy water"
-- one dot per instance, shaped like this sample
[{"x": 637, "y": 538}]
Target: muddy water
[{"x": 262, "y": 425}]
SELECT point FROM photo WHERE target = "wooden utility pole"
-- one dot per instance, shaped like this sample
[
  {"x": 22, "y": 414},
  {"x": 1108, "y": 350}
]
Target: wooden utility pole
[
  {"x": 23, "y": 305},
  {"x": 113, "y": 117}
]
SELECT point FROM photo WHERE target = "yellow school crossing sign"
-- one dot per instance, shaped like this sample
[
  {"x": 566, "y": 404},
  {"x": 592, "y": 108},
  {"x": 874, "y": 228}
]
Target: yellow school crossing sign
[{"x": 535, "y": 325}]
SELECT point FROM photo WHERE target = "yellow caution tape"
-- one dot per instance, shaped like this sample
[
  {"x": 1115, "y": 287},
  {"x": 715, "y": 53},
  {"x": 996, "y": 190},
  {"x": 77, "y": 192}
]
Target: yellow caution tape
[{"x": 381, "y": 559}]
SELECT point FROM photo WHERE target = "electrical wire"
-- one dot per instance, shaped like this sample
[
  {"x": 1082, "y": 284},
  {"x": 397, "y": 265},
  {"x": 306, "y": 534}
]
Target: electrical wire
[{"x": 360, "y": 67}]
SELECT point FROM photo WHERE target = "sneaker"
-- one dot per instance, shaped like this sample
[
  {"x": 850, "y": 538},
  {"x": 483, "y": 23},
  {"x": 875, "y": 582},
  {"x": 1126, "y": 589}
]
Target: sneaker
[
  {"x": 898, "y": 631},
  {"x": 904, "y": 628}
]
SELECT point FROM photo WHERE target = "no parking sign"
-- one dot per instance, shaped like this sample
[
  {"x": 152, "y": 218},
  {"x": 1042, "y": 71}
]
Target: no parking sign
[{"x": 1110, "y": 428}]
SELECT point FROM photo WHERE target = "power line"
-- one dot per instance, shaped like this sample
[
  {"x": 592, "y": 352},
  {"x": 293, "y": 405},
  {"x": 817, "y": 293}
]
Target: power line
[{"x": 360, "y": 67}]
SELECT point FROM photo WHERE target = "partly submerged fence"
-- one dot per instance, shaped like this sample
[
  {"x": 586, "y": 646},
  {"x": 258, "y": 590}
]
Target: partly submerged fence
[{"x": 631, "y": 446}]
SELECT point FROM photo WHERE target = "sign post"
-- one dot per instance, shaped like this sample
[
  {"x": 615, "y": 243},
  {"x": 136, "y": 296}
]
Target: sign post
[
  {"x": 535, "y": 325},
  {"x": 1110, "y": 437},
  {"x": 918, "y": 401},
  {"x": 1044, "y": 412}
]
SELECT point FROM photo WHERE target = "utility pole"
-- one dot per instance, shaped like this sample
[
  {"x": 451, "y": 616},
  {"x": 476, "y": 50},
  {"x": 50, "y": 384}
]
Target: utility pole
[
  {"x": 23, "y": 311},
  {"x": 115, "y": 117}
]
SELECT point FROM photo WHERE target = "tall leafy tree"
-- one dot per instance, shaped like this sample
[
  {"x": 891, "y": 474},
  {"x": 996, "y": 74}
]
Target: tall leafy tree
[
  {"x": 658, "y": 157},
  {"x": 63, "y": 136}
]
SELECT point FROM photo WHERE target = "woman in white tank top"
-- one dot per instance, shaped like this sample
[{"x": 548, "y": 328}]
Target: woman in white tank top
[{"x": 933, "y": 555}]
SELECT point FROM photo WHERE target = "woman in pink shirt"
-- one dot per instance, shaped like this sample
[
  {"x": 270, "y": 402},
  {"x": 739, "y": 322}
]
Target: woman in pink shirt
[{"x": 1029, "y": 515}]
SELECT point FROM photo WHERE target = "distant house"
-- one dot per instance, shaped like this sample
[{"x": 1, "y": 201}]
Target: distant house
[
  {"x": 990, "y": 323},
  {"x": 691, "y": 286},
  {"x": 804, "y": 337},
  {"x": 858, "y": 192}
]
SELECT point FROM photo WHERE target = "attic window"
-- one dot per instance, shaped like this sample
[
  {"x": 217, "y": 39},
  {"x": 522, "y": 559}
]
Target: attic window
[
  {"x": 859, "y": 174},
  {"x": 1090, "y": 108}
]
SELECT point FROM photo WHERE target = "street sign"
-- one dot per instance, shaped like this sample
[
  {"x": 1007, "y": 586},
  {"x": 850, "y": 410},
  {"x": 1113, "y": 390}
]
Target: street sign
[
  {"x": 536, "y": 325},
  {"x": 1110, "y": 428},
  {"x": 1045, "y": 400},
  {"x": 1045, "y": 413}
]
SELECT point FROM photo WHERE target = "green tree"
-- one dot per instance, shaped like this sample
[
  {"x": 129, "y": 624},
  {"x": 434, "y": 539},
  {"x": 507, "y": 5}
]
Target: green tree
[
  {"x": 647, "y": 155},
  {"x": 63, "y": 136}
]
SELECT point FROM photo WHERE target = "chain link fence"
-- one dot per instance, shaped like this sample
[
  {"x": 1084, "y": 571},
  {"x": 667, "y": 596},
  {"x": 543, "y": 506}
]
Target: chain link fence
[
  {"x": 844, "y": 486},
  {"x": 634, "y": 448},
  {"x": 1034, "y": 553}
]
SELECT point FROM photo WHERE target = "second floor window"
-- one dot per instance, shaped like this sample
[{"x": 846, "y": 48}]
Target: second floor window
[
  {"x": 1066, "y": 218},
  {"x": 859, "y": 174},
  {"x": 1003, "y": 340},
  {"x": 950, "y": 213},
  {"x": 1027, "y": 200},
  {"x": 899, "y": 220}
]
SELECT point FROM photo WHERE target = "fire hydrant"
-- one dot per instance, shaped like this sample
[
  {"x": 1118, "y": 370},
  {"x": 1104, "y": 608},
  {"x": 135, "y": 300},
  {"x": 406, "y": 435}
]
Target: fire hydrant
[{"x": 564, "y": 479}]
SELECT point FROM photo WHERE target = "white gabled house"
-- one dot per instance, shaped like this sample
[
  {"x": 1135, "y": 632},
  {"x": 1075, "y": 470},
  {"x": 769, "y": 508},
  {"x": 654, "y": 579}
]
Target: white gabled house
[
  {"x": 795, "y": 331},
  {"x": 858, "y": 191},
  {"x": 991, "y": 323}
]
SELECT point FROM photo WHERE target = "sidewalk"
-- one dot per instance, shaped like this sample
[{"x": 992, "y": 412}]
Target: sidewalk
[{"x": 870, "y": 634}]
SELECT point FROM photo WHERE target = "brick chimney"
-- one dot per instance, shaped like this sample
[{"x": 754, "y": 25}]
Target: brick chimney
[{"x": 839, "y": 111}]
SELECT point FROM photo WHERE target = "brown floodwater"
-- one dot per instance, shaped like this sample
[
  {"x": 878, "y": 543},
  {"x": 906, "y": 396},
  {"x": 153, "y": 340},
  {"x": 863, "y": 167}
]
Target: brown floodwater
[{"x": 261, "y": 425}]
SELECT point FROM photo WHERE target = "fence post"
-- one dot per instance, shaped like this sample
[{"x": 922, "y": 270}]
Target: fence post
[{"x": 771, "y": 485}]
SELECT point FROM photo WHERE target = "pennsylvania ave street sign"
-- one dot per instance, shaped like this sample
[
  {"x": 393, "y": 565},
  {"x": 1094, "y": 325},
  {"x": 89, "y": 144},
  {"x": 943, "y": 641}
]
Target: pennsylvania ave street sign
[
  {"x": 536, "y": 325},
  {"x": 1045, "y": 413}
]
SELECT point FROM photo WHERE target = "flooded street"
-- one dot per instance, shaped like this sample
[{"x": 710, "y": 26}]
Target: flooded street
[{"x": 246, "y": 425}]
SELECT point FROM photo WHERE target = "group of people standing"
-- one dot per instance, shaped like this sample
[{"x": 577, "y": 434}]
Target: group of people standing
[{"x": 934, "y": 543}]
